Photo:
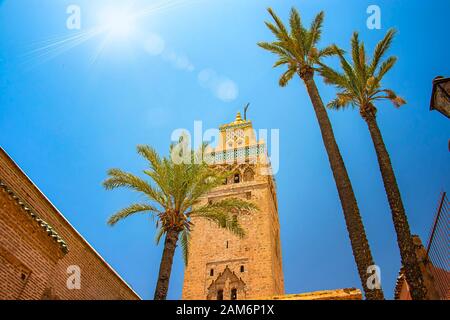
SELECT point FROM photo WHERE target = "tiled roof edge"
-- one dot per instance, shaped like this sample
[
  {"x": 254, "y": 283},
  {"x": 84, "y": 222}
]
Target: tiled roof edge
[{"x": 42, "y": 223}]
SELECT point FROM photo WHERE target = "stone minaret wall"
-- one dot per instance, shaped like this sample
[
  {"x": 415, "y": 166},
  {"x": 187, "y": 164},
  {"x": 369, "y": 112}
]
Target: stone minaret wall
[{"x": 222, "y": 265}]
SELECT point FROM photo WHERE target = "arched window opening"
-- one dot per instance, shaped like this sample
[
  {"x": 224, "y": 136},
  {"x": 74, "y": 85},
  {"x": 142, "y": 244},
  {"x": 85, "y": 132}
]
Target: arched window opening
[
  {"x": 249, "y": 175},
  {"x": 233, "y": 294},
  {"x": 220, "y": 295},
  {"x": 211, "y": 272},
  {"x": 237, "y": 178},
  {"x": 242, "y": 269}
]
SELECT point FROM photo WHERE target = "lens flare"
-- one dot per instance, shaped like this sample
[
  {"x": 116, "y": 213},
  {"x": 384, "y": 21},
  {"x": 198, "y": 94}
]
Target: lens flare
[{"x": 118, "y": 22}]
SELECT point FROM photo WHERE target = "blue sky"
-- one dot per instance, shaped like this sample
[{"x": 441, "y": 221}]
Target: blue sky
[{"x": 66, "y": 116}]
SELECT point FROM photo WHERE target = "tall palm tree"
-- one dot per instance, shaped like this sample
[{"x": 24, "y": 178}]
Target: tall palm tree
[
  {"x": 173, "y": 198},
  {"x": 360, "y": 86},
  {"x": 297, "y": 49}
]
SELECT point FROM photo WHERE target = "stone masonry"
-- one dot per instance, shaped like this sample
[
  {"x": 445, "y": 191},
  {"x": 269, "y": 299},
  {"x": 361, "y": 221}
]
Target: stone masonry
[{"x": 222, "y": 265}]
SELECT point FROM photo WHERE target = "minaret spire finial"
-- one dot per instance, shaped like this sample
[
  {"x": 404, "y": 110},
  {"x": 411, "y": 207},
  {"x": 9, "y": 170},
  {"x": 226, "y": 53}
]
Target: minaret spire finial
[{"x": 238, "y": 117}]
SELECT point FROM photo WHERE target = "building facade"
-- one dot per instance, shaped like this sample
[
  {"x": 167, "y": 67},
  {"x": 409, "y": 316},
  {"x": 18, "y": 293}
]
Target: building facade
[
  {"x": 222, "y": 266},
  {"x": 42, "y": 256}
]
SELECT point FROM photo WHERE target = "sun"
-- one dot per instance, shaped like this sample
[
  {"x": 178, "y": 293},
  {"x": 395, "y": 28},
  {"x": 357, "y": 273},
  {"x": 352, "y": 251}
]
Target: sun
[{"x": 118, "y": 22}]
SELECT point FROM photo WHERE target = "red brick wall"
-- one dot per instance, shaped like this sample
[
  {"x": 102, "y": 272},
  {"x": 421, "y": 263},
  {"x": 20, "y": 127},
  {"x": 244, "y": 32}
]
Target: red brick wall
[
  {"x": 27, "y": 255},
  {"x": 32, "y": 264}
]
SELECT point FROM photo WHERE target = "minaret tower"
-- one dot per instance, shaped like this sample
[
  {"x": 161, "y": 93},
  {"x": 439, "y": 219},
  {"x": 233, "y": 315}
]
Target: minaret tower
[{"x": 221, "y": 265}]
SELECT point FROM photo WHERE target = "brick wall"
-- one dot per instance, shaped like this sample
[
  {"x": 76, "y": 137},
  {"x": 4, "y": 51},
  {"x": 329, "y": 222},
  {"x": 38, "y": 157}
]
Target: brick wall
[{"x": 33, "y": 262}]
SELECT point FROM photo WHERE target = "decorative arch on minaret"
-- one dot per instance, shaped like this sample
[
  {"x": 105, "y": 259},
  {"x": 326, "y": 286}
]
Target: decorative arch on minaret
[
  {"x": 227, "y": 286},
  {"x": 249, "y": 174}
]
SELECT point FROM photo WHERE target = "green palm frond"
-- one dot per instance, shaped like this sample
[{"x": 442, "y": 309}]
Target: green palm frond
[
  {"x": 362, "y": 59},
  {"x": 349, "y": 72},
  {"x": 380, "y": 50},
  {"x": 295, "y": 22},
  {"x": 282, "y": 37},
  {"x": 329, "y": 51},
  {"x": 202, "y": 181},
  {"x": 221, "y": 213},
  {"x": 346, "y": 66},
  {"x": 360, "y": 82},
  {"x": 298, "y": 32},
  {"x": 283, "y": 60},
  {"x": 159, "y": 234},
  {"x": 333, "y": 77},
  {"x": 152, "y": 156},
  {"x": 315, "y": 32},
  {"x": 296, "y": 48},
  {"x": 281, "y": 28},
  {"x": 128, "y": 211},
  {"x": 385, "y": 67},
  {"x": 222, "y": 219},
  {"x": 234, "y": 204},
  {"x": 342, "y": 100},
  {"x": 334, "y": 104},
  {"x": 184, "y": 242},
  {"x": 158, "y": 167},
  {"x": 356, "y": 59},
  {"x": 274, "y": 48},
  {"x": 287, "y": 76},
  {"x": 178, "y": 190},
  {"x": 118, "y": 178}
]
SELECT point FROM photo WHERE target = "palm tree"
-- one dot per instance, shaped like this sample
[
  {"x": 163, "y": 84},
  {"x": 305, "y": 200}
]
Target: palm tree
[
  {"x": 297, "y": 49},
  {"x": 173, "y": 199},
  {"x": 360, "y": 86}
]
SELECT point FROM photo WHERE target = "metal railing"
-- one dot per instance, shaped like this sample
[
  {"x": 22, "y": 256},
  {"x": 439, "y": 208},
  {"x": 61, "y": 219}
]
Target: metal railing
[{"x": 438, "y": 248}]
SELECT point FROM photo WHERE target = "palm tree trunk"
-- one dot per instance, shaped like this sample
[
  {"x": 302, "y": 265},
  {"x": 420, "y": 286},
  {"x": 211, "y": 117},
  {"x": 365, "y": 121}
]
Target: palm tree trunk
[
  {"x": 355, "y": 227},
  {"x": 165, "y": 267},
  {"x": 404, "y": 238}
]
